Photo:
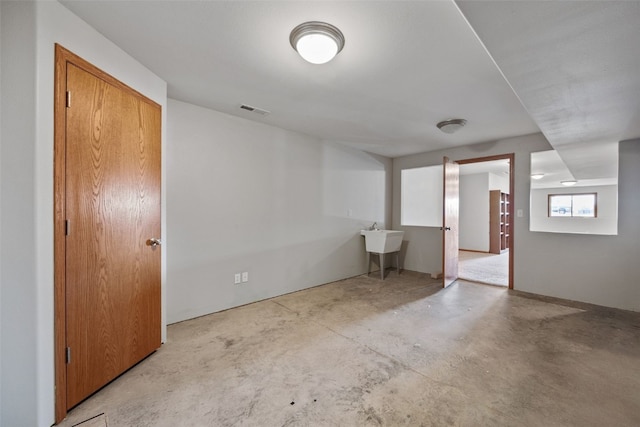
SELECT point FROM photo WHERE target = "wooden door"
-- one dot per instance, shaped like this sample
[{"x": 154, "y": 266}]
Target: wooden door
[
  {"x": 112, "y": 211},
  {"x": 451, "y": 205}
]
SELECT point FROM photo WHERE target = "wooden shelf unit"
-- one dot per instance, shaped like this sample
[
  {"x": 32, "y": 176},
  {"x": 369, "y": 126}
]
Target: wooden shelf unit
[{"x": 499, "y": 222}]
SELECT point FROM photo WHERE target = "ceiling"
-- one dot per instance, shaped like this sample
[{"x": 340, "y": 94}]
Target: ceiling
[
  {"x": 568, "y": 69},
  {"x": 574, "y": 65}
]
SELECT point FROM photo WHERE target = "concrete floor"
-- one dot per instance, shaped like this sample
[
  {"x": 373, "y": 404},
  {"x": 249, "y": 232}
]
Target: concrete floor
[{"x": 403, "y": 351}]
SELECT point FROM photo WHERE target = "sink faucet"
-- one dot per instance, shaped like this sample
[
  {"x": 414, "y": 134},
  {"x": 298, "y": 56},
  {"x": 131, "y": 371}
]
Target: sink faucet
[{"x": 374, "y": 226}]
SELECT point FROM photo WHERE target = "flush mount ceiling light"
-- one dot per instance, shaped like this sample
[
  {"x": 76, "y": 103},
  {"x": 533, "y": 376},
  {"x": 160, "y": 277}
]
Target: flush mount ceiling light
[
  {"x": 568, "y": 183},
  {"x": 451, "y": 126},
  {"x": 317, "y": 42},
  {"x": 537, "y": 175}
]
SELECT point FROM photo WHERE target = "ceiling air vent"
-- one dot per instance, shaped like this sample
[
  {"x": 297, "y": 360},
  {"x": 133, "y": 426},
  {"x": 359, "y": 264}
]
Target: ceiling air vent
[{"x": 254, "y": 109}]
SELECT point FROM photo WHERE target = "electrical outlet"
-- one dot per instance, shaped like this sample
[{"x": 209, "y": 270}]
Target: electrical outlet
[
  {"x": 237, "y": 279},
  {"x": 245, "y": 277}
]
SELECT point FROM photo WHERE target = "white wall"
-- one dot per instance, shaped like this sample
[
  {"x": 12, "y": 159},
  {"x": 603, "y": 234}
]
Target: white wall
[
  {"x": 1, "y": 214},
  {"x": 424, "y": 244},
  {"x": 29, "y": 31},
  {"x": 596, "y": 269},
  {"x": 244, "y": 196},
  {"x": 473, "y": 223},
  {"x": 605, "y": 223},
  {"x": 17, "y": 248},
  {"x": 499, "y": 182}
]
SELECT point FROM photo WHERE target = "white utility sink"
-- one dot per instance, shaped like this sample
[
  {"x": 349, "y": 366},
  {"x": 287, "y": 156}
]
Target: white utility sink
[{"x": 382, "y": 241}]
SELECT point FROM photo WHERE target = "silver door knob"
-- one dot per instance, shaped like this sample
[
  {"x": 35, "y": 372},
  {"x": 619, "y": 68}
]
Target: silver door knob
[{"x": 153, "y": 242}]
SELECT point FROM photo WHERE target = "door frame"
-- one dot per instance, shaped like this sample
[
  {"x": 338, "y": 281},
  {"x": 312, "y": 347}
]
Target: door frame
[
  {"x": 511, "y": 157},
  {"x": 62, "y": 57}
]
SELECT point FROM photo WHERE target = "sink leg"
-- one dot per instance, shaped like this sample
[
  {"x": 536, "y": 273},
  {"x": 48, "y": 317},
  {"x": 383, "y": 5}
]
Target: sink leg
[
  {"x": 398, "y": 262},
  {"x": 368, "y": 263},
  {"x": 381, "y": 265}
]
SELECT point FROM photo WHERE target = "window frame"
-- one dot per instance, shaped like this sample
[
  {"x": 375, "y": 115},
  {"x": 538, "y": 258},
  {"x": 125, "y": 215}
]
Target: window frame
[{"x": 595, "y": 204}]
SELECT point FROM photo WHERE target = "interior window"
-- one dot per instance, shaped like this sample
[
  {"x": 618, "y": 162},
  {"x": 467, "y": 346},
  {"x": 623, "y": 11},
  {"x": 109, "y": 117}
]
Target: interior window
[
  {"x": 590, "y": 206},
  {"x": 421, "y": 196}
]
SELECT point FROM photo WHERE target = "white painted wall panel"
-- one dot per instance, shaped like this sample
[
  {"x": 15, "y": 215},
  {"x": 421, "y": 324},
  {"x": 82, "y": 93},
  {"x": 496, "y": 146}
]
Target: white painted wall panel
[
  {"x": 474, "y": 212},
  {"x": 596, "y": 269},
  {"x": 499, "y": 182},
  {"x": 244, "y": 196}
]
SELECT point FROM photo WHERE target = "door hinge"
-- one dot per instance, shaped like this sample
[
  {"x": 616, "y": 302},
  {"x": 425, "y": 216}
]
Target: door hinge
[
  {"x": 67, "y": 227},
  {"x": 68, "y": 355},
  {"x": 68, "y": 99}
]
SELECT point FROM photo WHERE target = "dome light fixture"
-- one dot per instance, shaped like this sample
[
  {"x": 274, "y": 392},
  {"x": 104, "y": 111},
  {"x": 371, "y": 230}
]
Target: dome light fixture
[
  {"x": 317, "y": 42},
  {"x": 568, "y": 183},
  {"x": 537, "y": 175},
  {"x": 452, "y": 125}
]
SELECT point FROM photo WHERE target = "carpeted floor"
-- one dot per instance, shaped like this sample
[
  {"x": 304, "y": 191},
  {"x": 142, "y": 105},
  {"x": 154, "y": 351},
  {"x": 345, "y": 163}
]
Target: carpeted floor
[{"x": 483, "y": 267}]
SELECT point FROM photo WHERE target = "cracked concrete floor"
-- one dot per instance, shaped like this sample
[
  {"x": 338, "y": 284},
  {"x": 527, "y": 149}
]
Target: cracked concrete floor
[{"x": 403, "y": 351}]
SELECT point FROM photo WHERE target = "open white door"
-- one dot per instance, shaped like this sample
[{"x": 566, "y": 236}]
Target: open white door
[{"x": 451, "y": 208}]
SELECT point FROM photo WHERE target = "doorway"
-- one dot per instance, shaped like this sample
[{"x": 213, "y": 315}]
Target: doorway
[
  {"x": 106, "y": 229},
  {"x": 486, "y": 220}
]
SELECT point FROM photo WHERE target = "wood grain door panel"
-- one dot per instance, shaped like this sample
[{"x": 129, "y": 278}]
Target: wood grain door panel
[{"x": 113, "y": 208}]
